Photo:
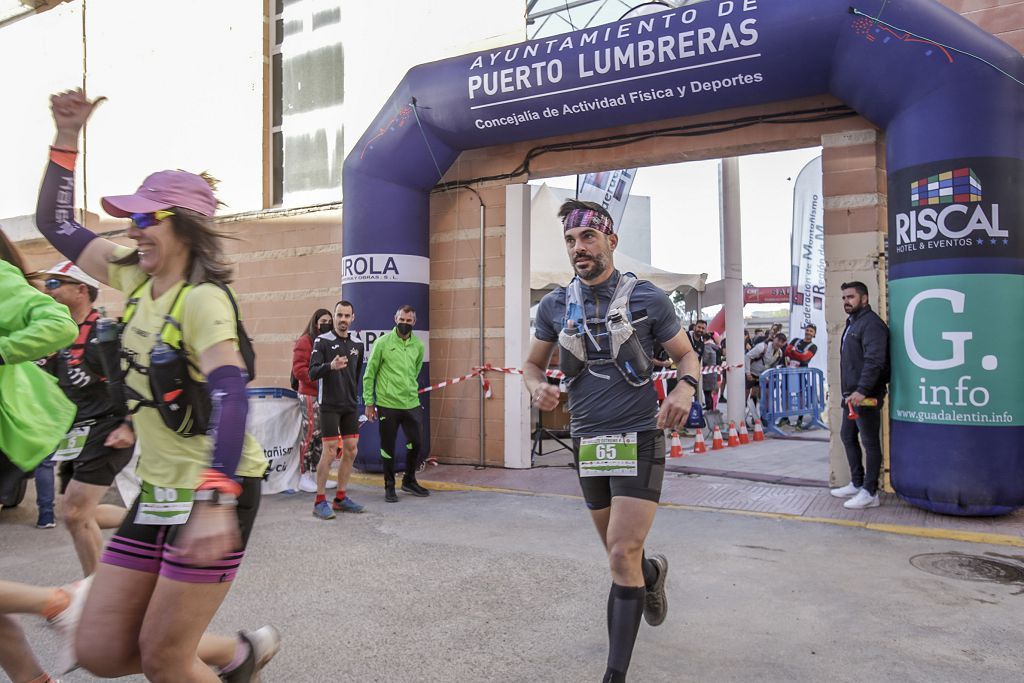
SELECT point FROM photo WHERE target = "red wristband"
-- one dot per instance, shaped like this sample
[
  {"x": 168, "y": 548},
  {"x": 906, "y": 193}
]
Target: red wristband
[{"x": 213, "y": 479}]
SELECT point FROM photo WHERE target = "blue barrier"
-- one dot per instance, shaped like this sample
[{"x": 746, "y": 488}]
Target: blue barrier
[
  {"x": 792, "y": 392},
  {"x": 270, "y": 392}
]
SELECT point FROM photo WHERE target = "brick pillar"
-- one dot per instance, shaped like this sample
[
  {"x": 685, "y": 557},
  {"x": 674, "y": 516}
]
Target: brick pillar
[{"x": 854, "y": 185}]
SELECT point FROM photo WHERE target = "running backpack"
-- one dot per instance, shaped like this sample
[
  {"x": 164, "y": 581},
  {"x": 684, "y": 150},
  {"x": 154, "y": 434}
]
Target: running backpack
[{"x": 183, "y": 402}]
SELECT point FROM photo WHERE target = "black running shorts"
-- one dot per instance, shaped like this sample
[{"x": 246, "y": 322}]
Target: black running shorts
[
  {"x": 336, "y": 424},
  {"x": 646, "y": 485},
  {"x": 96, "y": 464}
]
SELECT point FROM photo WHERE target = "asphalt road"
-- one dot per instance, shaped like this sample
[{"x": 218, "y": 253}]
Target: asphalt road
[{"x": 483, "y": 586}]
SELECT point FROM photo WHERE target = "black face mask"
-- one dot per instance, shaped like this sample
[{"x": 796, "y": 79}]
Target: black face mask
[
  {"x": 325, "y": 327},
  {"x": 404, "y": 329}
]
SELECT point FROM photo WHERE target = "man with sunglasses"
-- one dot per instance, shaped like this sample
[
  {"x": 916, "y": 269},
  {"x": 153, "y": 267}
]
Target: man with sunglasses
[{"x": 100, "y": 441}]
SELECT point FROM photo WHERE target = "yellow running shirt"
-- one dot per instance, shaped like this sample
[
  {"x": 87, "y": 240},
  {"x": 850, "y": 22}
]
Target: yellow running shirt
[{"x": 166, "y": 458}]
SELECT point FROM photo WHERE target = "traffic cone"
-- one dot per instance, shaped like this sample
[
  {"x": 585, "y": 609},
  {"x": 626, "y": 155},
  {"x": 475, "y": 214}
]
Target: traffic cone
[
  {"x": 698, "y": 445},
  {"x": 758, "y": 431},
  {"x": 744, "y": 436},
  {"x": 677, "y": 446},
  {"x": 734, "y": 438},
  {"x": 716, "y": 440}
]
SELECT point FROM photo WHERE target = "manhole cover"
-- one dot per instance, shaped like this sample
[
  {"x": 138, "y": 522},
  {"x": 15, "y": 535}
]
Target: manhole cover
[{"x": 969, "y": 567}]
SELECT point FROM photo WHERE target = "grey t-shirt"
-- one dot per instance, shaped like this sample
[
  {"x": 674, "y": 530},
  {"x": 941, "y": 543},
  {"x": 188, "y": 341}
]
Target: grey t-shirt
[{"x": 609, "y": 406}]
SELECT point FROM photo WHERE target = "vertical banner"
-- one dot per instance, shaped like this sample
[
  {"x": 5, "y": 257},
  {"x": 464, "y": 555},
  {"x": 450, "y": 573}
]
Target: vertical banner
[
  {"x": 610, "y": 189},
  {"x": 807, "y": 290},
  {"x": 957, "y": 286}
]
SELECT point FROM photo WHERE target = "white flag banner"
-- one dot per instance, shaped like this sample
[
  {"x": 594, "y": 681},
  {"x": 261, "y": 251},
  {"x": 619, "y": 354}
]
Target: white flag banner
[
  {"x": 610, "y": 189},
  {"x": 807, "y": 293},
  {"x": 276, "y": 423}
]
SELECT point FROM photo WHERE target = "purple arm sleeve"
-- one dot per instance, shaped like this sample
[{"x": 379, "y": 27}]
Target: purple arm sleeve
[
  {"x": 55, "y": 212},
  {"x": 230, "y": 404}
]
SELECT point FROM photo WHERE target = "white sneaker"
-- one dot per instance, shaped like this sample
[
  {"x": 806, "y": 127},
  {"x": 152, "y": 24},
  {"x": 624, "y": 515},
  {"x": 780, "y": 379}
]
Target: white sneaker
[
  {"x": 847, "y": 491},
  {"x": 307, "y": 482},
  {"x": 862, "y": 500},
  {"x": 66, "y": 623}
]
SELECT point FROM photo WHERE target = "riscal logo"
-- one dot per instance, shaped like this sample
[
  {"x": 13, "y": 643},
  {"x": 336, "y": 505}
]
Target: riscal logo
[{"x": 951, "y": 210}]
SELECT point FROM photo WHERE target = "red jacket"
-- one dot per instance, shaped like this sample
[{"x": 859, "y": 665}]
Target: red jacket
[{"x": 300, "y": 365}]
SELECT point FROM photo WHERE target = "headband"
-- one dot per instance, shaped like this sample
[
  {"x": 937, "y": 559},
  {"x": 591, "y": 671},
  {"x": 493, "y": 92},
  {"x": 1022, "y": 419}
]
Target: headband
[{"x": 587, "y": 218}]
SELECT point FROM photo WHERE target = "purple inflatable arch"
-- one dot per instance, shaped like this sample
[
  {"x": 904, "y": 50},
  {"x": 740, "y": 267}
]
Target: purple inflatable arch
[{"x": 949, "y": 97}]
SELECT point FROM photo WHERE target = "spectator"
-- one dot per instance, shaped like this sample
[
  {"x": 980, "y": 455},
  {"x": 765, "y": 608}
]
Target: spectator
[
  {"x": 799, "y": 352},
  {"x": 710, "y": 374},
  {"x": 311, "y": 448},
  {"x": 761, "y": 357},
  {"x": 864, "y": 372}
]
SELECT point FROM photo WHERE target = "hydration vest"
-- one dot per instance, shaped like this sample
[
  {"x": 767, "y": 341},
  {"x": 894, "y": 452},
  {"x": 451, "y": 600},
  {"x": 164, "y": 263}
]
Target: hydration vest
[
  {"x": 627, "y": 354},
  {"x": 182, "y": 401}
]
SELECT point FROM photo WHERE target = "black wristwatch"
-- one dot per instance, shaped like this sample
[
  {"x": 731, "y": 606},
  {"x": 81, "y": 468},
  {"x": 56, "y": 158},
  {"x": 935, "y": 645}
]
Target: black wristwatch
[{"x": 691, "y": 380}]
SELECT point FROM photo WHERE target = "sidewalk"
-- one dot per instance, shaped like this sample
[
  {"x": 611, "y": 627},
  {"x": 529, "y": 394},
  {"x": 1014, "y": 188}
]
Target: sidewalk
[{"x": 690, "y": 483}]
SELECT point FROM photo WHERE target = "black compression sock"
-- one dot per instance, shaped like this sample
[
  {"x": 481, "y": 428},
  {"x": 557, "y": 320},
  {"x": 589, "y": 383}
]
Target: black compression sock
[
  {"x": 650, "y": 571},
  {"x": 625, "y": 609}
]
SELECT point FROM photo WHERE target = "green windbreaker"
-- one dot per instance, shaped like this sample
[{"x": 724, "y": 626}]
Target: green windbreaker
[
  {"x": 34, "y": 413},
  {"x": 390, "y": 379}
]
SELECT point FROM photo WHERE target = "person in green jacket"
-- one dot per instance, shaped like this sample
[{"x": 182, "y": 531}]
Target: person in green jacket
[
  {"x": 391, "y": 392},
  {"x": 34, "y": 413},
  {"x": 34, "y": 416}
]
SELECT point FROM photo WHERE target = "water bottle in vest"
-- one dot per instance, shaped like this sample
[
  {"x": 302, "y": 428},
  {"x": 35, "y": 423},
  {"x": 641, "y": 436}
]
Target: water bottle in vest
[
  {"x": 572, "y": 351},
  {"x": 108, "y": 334},
  {"x": 168, "y": 377},
  {"x": 628, "y": 353}
]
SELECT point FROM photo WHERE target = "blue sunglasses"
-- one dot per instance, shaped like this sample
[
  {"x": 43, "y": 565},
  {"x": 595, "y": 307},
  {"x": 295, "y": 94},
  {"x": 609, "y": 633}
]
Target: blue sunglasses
[{"x": 148, "y": 220}]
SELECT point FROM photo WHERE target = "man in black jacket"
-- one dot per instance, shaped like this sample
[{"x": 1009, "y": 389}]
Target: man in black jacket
[
  {"x": 336, "y": 364},
  {"x": 864, "y": 370}
]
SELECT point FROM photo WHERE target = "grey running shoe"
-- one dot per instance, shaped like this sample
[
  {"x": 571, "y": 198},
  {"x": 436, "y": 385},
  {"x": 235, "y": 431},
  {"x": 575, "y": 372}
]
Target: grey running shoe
[
  {"x": 264, "y": 643},
  {"x": 346, "y": 504},
  {"x": 655, "y": 599}
]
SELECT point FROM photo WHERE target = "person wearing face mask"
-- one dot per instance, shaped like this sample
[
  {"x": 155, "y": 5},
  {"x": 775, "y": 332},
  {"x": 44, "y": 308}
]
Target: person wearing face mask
[
  {"x": 336, "y": 365},
  {"x": 391, "y": 392},
  {"x": 311, "y": 447}
]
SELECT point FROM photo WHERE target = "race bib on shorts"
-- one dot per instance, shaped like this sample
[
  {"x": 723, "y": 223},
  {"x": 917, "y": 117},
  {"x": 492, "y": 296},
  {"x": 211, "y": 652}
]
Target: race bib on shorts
[
  {"x": 613, "y": 455},
  {"x": 70, "y": 447},
  {"x": 164, "y": 506}
]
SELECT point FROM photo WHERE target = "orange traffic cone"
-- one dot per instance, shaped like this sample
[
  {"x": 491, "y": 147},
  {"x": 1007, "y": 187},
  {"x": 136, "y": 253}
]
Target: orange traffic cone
[
  {"x": 716, "y": 440},
  {"x": 734, "y": 438},
  {"x": 744, "y": 436},
  {"x": 698, "y": 445},
  {"x": 677, "y": 446},
  {"x": 758, "y": 431}
]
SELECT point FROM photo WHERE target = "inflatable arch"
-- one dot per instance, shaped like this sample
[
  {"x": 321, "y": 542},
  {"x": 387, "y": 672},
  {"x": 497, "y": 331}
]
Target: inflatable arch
[{"x": 949, "y": 97}]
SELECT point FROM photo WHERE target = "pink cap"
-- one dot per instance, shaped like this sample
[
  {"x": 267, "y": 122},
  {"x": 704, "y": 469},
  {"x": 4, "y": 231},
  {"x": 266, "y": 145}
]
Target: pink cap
[{"x": 162, "y": 190}]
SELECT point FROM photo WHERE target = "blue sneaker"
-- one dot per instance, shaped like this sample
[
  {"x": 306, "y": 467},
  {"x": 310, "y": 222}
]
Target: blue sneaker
[
  {"x": 346, "y": 504},
  {"x": 322, "y": 510},
  {"x": 46, "y": 520}
]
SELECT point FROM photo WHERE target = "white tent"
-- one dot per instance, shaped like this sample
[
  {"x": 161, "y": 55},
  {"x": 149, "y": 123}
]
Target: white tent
[{"x": 549, "y": 263}]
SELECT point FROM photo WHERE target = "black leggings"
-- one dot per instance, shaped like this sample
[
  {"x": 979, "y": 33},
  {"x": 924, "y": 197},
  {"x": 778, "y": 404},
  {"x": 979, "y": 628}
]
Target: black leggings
[{"x": 390, "y": 420}]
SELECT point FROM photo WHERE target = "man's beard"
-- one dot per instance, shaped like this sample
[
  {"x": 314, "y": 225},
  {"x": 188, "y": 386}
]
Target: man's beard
[{"x": 598, "y": 264}]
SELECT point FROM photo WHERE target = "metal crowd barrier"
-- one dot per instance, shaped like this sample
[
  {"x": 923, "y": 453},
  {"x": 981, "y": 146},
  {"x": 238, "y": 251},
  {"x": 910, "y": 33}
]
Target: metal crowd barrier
[{"x": 792, "y": 392}]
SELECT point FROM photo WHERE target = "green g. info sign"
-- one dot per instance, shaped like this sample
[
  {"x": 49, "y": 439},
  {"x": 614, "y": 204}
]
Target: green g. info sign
[{"x": 955, "y": 361}]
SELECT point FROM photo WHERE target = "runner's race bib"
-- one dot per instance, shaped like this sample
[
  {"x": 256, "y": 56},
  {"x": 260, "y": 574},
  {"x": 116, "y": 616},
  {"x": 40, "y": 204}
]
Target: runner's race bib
[
  {"x": 70, "y": 447},
  {"x": 164, "y": 506},
  {"x": 613, "y": 455}
]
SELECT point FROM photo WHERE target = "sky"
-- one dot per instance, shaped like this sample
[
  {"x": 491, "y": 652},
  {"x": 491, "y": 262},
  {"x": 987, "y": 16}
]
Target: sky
[{"x": 685, "y": 215}]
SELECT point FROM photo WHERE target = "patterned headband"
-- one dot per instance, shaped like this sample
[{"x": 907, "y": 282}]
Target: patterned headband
[{"x": 588, "y": 218}]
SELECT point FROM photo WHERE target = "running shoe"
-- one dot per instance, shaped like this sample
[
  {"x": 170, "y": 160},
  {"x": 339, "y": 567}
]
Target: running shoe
[
  {"x": 389, "y": 494},
  {"x": 322, "y": 510},
  {"x": 46, "y": 520},
  {"x": 346, "y": 504},
  {"x": 264, "y": 643},
  {"x": 655, "y": 599},
  {"x": 66, "y": 623},
  {"x": 415, "y": 489}
]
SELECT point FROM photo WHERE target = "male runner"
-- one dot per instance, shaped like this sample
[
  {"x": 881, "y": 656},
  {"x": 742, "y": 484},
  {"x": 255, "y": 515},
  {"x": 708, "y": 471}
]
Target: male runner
[
  {"x": 336, "y": 364},
  {"x": 615, "y": 422},
  {"x": 391, "y": 392},
  {"x": 100, "y": 441}
]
